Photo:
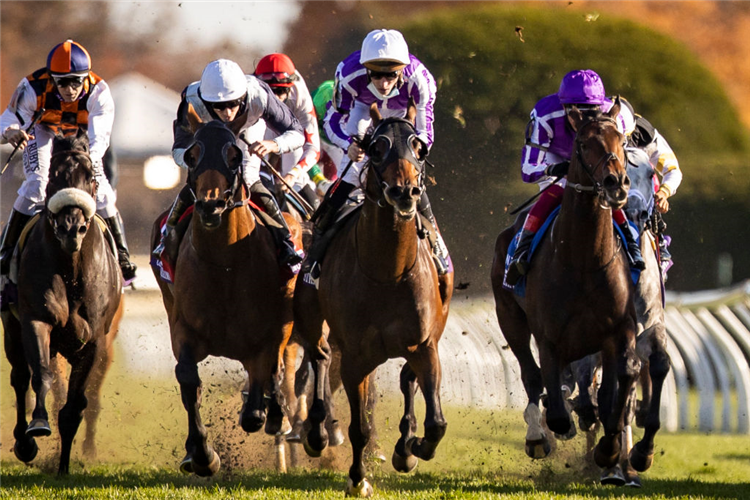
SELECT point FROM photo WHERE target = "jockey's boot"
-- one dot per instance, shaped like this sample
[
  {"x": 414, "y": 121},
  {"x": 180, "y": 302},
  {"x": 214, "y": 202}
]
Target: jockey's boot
[
  {"x": 169, "y": 237},
  {"x": 325, "y": 217},
  {"x": 117, "y": 229},
  {"x": 288, "y": 255},
  {"x": 439, "y": 250},
  {"x": 13, "y": 229},
  {"x": 520, "y": 264},
  {"x": 633, "y": 249}
]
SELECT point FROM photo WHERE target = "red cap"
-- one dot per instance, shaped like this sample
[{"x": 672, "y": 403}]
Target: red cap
[{"x": 277, "y": 70}]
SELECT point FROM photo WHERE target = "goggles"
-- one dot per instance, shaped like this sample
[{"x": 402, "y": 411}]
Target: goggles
[
  {"x": 276, "y": 77},
  {"x": 221, "y": 106},
  {"x": 68, "y": 81},
  {"x": 378, "y": 75}
]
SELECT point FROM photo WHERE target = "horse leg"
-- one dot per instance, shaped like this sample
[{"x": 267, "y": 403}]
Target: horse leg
[
  {"x": 425, "y": 362},
  {"x": 253, "y": 413},
  {"x": 619, "y": 370},
  {"x": 102, "y": 363},
  {"x": 333, "y": 384},
  {"x": 25, "y": 447},
  {"x": 356, "y": 384},
  {"x": 200, "y": 457},
  {"x": 71, "y": 414},
  {"x": 646, "y": 394},
  {"x": 642, "y": 454},
  {"x": 36, "y": 336},
  {"x": 585, "y": 374},
  {"x": 316, "y": 437},
  {"x": 59, "y": 384},
  {"x": 515, "y": 329},
  {"x": 403, "y": 460},
  {"x": 558, "y": 418},
  {"x": 623, "y": 473},
  {"x": 276, "y": 402}
]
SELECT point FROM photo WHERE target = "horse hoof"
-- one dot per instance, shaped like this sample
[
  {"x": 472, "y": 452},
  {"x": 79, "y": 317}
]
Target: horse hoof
[
  {"x": 568, "y": 435},
  {"x": 277, "y": 427},
  {"x": 404, "y": 464},
  {"x": 538, "y": 448},
  {"x": 208, "y": 470},
  {"x": 560, "y": 426},
  {"x": 311, "y": 452},
  {"x": 38, "y": 428},
  {"x": 254, "y": 421},
  {"x": 186, "y": 466},
  {"x": 605, "y": 456},
  {"x": 613, "y": 477},
  {"x": 361, "y": 490},
  {"x": 639, "y": 460},
  {"x": 336, "y": 437},
  {"x": 375, "y": 456},
  {"x": 25, "y": 453}
]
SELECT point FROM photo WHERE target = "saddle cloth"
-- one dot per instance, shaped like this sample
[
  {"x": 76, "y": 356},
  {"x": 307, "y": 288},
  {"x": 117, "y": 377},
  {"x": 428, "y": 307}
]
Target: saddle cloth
[{"x": 520, "y": 287}]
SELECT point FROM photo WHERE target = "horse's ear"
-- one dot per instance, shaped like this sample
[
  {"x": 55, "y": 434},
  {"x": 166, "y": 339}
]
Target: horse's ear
[
  {"x": 411, "y": 111},
  {"x": 576, "y": 115},
  {"x": 375, "y": 115},
  {"x": 193, "y": 118},
  {"x": 615, "y": 109}
]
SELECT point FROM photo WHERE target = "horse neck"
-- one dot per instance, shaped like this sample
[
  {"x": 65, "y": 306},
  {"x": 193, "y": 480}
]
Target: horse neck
[
  {"x": 583, "y": 233},
  {"x": 219, "y": 245},
  {"x": 386, "y": 245}
]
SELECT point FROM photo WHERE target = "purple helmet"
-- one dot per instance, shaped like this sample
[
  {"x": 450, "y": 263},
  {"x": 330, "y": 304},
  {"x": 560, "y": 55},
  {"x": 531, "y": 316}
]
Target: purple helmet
[{"x": 582, "y": 86}]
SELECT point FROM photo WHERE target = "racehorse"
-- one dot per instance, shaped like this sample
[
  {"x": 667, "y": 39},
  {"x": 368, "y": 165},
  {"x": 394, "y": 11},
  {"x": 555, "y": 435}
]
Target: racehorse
[
  {"x": 579, "y": 295},
  {"x": 651, "y": 342},
  {"x": 228, "y": 298},
  {"x": 69, "y": 290},
  {"x": 382, "y": 298}
]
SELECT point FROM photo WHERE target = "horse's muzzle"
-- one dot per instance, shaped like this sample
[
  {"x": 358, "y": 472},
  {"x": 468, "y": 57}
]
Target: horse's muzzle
[
  {"x": 210, "y": 212},
  {"x": 615, "y": 190},
  {"x": 404, "y": 199}
]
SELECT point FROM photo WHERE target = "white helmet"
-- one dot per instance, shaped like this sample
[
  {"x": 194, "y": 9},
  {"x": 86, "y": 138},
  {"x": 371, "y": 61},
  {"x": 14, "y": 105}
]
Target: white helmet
[
  {"x": 223, "y": 80},
  {"x": 384, "y": 50}
]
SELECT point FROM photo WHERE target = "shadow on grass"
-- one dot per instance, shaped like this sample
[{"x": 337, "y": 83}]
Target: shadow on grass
[{"x": 16, "y": 477}]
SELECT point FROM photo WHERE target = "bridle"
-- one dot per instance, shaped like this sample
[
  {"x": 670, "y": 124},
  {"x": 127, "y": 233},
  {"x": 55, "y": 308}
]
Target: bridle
[
  {"x": 596, "y": 188},
  {"x": 398, "y": 145}
]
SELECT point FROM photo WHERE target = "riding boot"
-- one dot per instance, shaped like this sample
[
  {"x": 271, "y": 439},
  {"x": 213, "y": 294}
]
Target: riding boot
[
  {"x": 12, "y": 232},
  {"x": 325, "y": 217},
  {"x": 117, "y": 229},
  {"x": 439, "y": 250},
  {"x": 288, "y": 255},
  {"x": 520, "y": 264},
  {"x": 633, "y": 249},
  {"x": 169, "y": 236}
]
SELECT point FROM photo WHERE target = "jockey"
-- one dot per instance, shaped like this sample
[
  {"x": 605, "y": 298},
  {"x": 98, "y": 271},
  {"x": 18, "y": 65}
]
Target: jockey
[
  {"x": 278, "y": 71},
  {"x": 549, "y": 141},
  {"x": 385, "y": 73},
  {"x": 225, "y": 93},
  {"x": 73, "y": 98},
  {"x": 330, "y": 154}
]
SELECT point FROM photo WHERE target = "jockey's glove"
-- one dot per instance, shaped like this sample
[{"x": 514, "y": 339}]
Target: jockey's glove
[{"x": 558, "y": 169}]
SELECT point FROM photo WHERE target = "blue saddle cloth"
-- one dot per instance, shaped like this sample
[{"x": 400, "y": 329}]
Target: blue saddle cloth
[{"x": 520, "y": 287}]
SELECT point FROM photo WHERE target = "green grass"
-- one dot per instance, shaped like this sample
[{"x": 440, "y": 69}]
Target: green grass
[{"x": 143, "y": 426}]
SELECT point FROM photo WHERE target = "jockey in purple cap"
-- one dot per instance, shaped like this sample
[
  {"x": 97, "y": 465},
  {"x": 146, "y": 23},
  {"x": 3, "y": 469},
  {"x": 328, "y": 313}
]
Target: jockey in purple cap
[{"x": 546, "y": 157}]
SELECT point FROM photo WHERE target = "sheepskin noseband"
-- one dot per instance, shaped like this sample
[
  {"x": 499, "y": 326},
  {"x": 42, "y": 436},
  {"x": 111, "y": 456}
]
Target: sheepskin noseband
[{"x": 72, "y": 197}]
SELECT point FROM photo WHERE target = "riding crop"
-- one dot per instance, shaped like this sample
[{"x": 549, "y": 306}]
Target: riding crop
[{"x": 34, "y": 120}]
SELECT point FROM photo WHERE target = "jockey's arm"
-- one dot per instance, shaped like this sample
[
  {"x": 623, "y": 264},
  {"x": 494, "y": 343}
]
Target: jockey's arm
[
  {"x": 535, "y": 160},
  {"x": 18, "y": 115},
  {"x": 280, "y": 118},
  {"x": 101, "y": 107},
  {"x": 183, "y": 135},
  {"x": 305, "y": 114}
]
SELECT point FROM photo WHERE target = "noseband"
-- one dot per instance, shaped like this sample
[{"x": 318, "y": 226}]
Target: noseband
[
  {"x": 596, "y": 188},
  {"x": 397, "y": 144}
]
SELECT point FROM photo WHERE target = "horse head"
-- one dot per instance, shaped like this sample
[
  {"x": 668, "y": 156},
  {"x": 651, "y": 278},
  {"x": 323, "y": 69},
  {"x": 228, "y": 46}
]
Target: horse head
[
  {"x": 397, "y": 159},
  {"x": 600, "y": 156},
  {"x": 214, "y": 162},
  {"x": 71, "y": 191}
]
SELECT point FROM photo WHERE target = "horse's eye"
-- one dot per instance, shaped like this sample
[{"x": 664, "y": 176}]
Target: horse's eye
[{"x": 379, "y": 149}]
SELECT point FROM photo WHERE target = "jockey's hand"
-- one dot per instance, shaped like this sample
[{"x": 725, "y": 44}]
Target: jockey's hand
[
  {"x": 17, "y": 137},
  {"x": 262, "y": 148},
  {"x": 355, "y": 153},
  {"x": 661, "y": 201}
]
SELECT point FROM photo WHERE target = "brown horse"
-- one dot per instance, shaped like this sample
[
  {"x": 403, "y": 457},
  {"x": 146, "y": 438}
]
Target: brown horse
[
  {"x": 69, "y": 290},
  {"x": 228, "y": 298},
  {"x": 382, "y": 298},
  {"x": 579, "y": 297}
]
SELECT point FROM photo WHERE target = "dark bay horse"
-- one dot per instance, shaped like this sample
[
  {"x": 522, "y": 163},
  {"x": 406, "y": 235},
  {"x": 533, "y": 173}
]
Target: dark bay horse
[
  {"x": 651, "y": 342},
  {"x": 579, "y": 296},
  {"x": 382, "y": 298},
  {"x": 228, "y": 298},
  {"x": 69, "y": 291}
]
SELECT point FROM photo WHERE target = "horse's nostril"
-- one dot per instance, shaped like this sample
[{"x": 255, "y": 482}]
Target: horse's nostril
[
  {"x": 626, "y": 182},
  {"x": 221, "y": 204},
  {"x": 82, "y": 230},
  {"x": 611, "y": 182},
  {"x": 416, "y": 191}
]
